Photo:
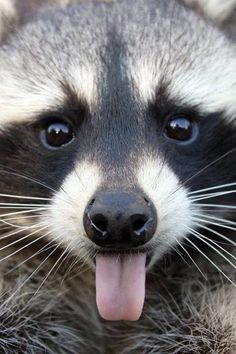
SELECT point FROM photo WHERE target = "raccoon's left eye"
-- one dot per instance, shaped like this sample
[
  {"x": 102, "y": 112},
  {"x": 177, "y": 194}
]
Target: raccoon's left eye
[
  {"x": 181, "y": 129},
  {"x": 56, "y": 134}
]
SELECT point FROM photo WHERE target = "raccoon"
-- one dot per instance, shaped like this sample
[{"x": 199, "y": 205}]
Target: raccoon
[{"x": 118, "y": 175}]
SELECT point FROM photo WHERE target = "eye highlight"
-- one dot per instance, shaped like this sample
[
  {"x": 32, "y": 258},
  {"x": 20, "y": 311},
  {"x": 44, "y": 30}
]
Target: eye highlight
[
  {"x": 181, "y": 129},
  {"x": 57, "y": 133}
]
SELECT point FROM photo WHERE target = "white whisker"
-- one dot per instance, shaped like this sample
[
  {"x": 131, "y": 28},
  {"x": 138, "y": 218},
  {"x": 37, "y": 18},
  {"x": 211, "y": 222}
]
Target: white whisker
[
  {"x": 28, "y": 178},
  {"x": 22, "y": 238},
  {"x": 214, "y": 223},
  {"x": 216, "y": 206},
  {"x": 227, "y": 185},
  {"x": 220, "y": 247},
  {"x": 4, "y": 236},
  {"x": 15, "y": 196},
  {"x": 204, "y": 239},
  {"x": 211, "y": 195},
  {"x": 25, "y": 246},
  {"x": 64, "y": 256},
  {"x": 35, "y": 271},
  {"x": 210, "y": 260},
  {"x": 20, "y": 218},
  {"x": 45, "y": 248},
  {"x": 216, "y": 233},
  {"x": 23, "y": 212},
  {"x": 216, "y": 218},
  {"x": 53, "y": 267},
  {"x": 8, "y": 223},
  {"x": 191, "y": 258},
  {"x": 32, "y": 179},
  {"x": 7, "y": 205}
]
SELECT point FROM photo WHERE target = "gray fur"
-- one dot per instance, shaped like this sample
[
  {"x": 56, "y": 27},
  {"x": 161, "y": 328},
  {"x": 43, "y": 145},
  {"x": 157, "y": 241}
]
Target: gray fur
[
  {"x": 182, "y": 314},
  {"x": 57, "y": 314}
]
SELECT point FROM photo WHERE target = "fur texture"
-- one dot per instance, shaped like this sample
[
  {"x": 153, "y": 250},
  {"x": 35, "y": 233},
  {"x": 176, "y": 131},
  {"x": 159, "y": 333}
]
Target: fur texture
[
  {"x": 183, "y": 313},
  {"x": 122, "y": 79}
]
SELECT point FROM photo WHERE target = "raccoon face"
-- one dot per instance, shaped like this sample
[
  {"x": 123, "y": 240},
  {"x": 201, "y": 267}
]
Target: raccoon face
[{"x": 118, "y": 120}]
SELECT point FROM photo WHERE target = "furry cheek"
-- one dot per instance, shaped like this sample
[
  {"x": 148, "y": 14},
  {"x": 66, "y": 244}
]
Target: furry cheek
[
  {"x": 174, "y": 207},
  {"x": 66, "y": 212}
]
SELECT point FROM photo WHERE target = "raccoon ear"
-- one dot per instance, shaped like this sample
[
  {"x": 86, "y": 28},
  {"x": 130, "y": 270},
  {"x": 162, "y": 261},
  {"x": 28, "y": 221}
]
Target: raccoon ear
[{"x": 217, "y": 10}]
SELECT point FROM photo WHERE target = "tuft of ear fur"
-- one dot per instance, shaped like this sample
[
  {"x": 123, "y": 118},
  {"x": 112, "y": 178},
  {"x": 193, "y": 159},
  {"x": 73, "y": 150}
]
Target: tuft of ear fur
[{"x": 217, "y": 10}]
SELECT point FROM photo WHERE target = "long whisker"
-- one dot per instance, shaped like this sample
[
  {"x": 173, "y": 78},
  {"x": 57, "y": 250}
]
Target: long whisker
[
  {"x": 215, "y": 218},
  {"x": 214, "y": 223},
  {"x": 35, "y": 271},
  {"x": 45, "y": 248},
  {"x": 6, "y": 205},
  {"x": 211, "y": 195},
  {"x": 191, "y": 258},
  {"x": 28, "y": 178},
  {"x": 213, "y": 188},
  {"x": 204, "y": 169},
  {"x": 6, "y": 221},
  {"x": 33, "y": 179},
  {"x": 25, "y": 246},
  {"x": 23, "y": 212},
  {"x": 213, "y": 206},
  {"x": 73, "y": 264},
  {"x": 219, "y": 246},
  {"x": 22, "y": 238},
  {"x": 210, "y": 260},
  {"x": 55, "y": 265},
  {"x": 204, "y": 239},
  {"x": 20, "y": 218},
  {"x": 16, "y": 196},
  {"x": 216, "y": 233},
  {"x": 4, "y": 236},
  {"x": 44, "y": 280}
]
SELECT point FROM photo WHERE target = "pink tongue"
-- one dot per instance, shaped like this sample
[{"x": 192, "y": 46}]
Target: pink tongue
[{"x": 120, "y": 286}]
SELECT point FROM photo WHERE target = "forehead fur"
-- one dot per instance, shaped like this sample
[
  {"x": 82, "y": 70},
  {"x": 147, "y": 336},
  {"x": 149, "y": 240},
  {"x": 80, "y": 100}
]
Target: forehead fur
[{"x": 130, "y": 46}]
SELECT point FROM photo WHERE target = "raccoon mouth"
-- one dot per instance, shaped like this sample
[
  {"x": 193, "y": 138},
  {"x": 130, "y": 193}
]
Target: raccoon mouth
[{"x": 120, "y": 285}]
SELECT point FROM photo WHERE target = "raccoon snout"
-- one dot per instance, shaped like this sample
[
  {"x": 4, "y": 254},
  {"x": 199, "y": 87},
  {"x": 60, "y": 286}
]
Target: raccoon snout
[{"x": 120, "y": 220}]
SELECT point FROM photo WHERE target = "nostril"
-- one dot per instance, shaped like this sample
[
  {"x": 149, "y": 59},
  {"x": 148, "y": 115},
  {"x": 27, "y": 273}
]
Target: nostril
[
  {"x": 120, "y": 220},
  {"x": 147, "y": 202},
  {"x": 100, "y": 222},
  {"x": 138, "y": 222},
  {"x": 92, "y": 202}
]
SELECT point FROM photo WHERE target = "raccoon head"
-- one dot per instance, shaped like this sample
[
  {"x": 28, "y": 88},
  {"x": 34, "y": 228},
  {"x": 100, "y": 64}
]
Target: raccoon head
[{"x": 117, "y": 129}]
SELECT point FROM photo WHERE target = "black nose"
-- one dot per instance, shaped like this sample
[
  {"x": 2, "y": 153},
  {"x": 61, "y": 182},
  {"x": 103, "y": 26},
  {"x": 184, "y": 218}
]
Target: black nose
[{"x": 120, "y": 220}]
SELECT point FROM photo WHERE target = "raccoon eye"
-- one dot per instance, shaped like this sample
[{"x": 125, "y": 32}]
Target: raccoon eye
[
  {"x": 56, "y": 134},
  {"x": 181, "y": 129}
]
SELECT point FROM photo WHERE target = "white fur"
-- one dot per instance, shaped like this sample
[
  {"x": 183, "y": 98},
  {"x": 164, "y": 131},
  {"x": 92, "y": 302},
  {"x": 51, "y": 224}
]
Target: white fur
[
  {"x": 65, "y": 216},
  {"x": 173, "y": 206},
  {"x": 209, "y": 85},
  {"x": 82, "y": 79},
  {"x": 207, "y": 89},
  {"x": 21, "y": 100},
  {"x": 145, "y": 76},
  {"x": 18, "y": 103}
]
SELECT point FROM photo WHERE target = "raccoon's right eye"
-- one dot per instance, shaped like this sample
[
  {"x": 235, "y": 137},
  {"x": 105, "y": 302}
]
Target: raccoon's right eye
[{"x": 56, "y": 134}]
